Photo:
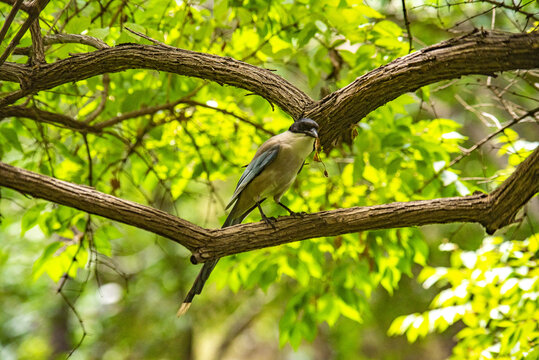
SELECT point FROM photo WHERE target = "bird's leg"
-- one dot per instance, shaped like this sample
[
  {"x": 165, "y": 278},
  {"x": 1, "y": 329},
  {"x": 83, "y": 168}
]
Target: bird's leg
[
  {"x": 292, "y": 213},
  {"x": 266, "y": 219}
]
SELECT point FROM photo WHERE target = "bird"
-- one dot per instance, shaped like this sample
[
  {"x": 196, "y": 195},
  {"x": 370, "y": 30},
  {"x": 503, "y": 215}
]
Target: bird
[{"x": 270, "y": 173}]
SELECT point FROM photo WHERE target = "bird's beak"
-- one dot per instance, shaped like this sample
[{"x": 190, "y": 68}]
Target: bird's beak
[{"x": 313, "y": 133}]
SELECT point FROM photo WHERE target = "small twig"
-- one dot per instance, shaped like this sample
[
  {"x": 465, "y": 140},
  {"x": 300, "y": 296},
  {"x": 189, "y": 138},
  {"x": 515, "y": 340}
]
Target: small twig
[
  {"x": 39, "y": 5},
  {"x": 77, "y": 238},
  {"x": 104, "y": 95},
  {"x": 38, "y": 50},
  {"x": 230, "y": 113},
  {"x": 58, "y": 15},
  {"x": 44, "y": 142},
  {"x": 407, "y": 24},
  {"x": 187, "y": 12},
  {"x": 467, "y": 152},
  {"x": 473, "y": 110},
  {"x": 65, "y": 39},
  {"x": 169, "y": 106},
  {"x": 118, "y": 12},
  {"x": 156, "y": 42},
  {"x": 213, "y": 191},
  {"x": 79, "y": 318},
  {"x": 473, "y": 17},
  {"x": 131, "y": 149},
  {"x": 13, "y": 96},
  {"x": 136, "y": 113},
  {"x": 39, "y": 115},
  {"x": 101, "y": 12},
  {"x": 517, "y": 8},
  {"x": 507, "y": 106},
  {"x": 90, "y": 162},
  {"x": 267, "y": 40},
  {"x": 9, "y": 19}
]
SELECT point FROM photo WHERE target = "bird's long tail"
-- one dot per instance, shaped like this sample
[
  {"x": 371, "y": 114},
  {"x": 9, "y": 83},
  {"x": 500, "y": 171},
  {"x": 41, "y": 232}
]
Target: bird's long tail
[
  {"x": 232, "y": 219},
  {"x": 203, "y": 275}
]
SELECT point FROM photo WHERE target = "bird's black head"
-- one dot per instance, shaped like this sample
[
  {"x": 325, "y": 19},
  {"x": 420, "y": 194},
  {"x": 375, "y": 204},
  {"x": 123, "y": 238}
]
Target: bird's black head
[{"x": 305, "y": 126}]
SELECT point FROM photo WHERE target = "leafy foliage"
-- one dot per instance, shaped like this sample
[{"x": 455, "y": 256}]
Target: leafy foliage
[
  {"x": 179, "y": 144},
  {"x": 493, "y": 291}
]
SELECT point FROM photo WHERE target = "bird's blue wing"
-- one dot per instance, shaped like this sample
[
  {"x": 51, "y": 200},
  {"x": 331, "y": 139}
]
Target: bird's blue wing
[{"x": 254, "y": 168}]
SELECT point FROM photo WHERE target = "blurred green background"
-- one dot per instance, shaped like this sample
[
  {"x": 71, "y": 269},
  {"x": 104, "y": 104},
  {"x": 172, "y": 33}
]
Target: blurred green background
[{"x": 451, "y": 290}]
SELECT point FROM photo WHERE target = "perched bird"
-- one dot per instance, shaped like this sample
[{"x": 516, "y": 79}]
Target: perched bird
[{"x": 270, "y": 173}]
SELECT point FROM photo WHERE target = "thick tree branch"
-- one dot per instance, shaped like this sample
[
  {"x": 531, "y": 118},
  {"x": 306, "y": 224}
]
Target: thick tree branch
[
  {"x": 94, "y": 202},
  {"x": 483, "y": 53},
  {"x": 222, "y": 70},
  {"x": 476, "y": 53},
  {"x": 493, "y": 211}
]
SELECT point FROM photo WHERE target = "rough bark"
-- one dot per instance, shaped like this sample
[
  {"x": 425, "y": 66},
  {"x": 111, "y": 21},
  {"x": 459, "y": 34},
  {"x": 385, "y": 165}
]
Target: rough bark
[
  {"x": 48, "y": 117},
  {"x": 223, "y": 70},
  {"x": 37, "y": 7},
  {"x": 476, "y": 53},
  {"x": 94, "y": 202},
  {"x": 480, "y": 52},
  {"x": 493, "y": 211}
]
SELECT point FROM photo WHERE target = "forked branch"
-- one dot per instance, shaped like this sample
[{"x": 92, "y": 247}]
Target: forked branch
[
  {"x": 493, "y": 211},
  {"x": 480, "y": 52}
]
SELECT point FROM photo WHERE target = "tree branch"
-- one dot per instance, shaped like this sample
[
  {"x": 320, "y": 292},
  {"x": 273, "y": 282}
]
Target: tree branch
[
  {"x": 94, "y": 202},
  {"x": 480, "y": 52},
  {"x": 37, "y": 7},
  {"x": 48, "y": 117},
  {"x": 9, "y": 19},
  {"x": 493, "y": 211},
  {"x": 25, "y": 6},
  {"x": 64, "y": 39},
  {"x": 223, "y": 70},
  {"x": 38, "y": 53},
  {"x": 407, "y": 25},
  {"x": 476, "y": 53}
]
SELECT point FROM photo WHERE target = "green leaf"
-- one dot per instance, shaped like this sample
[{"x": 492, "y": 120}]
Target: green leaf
[
  {"x": 349, "y": 310},
  {"x": 306, "y": 34},
  {"x": 328, "y": 310},
  {"x": 11, "y": 136},
  {"x": 102, "y": 239},
  {"x": 220, "y": 10},
  {"x": 41, "y": 264},
  {"x": 77, "y": 27},
  {"x": 296, "y": 335},
  {"x": 388, "y": 29},
  {"x": 31, "y": 217},
  {"x": 421, "y": 251},
  {"x": 100, "y": 33}
]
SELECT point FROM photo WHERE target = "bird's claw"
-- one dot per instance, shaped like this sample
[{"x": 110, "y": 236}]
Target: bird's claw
[
  {"x": 298, "y": 214},
  {"x": 270, "y": 221}
]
